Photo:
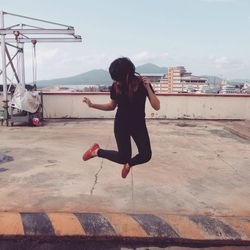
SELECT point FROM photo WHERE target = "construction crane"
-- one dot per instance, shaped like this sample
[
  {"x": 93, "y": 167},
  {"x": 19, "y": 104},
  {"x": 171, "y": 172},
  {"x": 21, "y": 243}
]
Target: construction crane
[{"x": 15, "y": 36}]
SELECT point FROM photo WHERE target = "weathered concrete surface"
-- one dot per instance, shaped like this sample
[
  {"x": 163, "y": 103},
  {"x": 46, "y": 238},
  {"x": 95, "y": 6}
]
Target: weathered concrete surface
[
  {"x": 198, "y": 167},
  {"x": 240, "y": 128}
]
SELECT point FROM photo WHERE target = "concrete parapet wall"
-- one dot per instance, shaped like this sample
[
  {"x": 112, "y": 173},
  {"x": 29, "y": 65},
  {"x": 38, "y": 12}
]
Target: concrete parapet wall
[{"x": 173, "y": 106}]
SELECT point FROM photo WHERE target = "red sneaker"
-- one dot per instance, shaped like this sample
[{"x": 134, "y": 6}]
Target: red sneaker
[
  {"x": 125, "y": 170},
  {"x": 89, "y": 153}
]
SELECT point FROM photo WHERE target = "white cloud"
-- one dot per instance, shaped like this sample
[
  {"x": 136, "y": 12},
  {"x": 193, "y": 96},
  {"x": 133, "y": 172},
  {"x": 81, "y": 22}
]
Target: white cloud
[
  {"x": 65, "y": 65},
  {"x": 46, "y": 58},
  {"x": 146, "y": 56},
  {"x": 47, "y": 54},
  {"x": 225, "y": 63},
  {"x": 219, "y": 62},
  {"x": 43, "y": 56}
]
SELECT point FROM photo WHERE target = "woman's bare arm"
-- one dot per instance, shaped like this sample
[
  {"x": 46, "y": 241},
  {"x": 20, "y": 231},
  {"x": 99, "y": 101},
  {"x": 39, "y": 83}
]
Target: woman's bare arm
[
  {"x": 106, "y": 107},
  {"x": 153, "y": 99}
]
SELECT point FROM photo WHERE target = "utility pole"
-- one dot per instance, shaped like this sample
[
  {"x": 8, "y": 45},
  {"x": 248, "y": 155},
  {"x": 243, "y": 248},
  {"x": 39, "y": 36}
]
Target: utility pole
[
  {"x": 22, "y": 65},
  {"x": 4, "y": 75}
]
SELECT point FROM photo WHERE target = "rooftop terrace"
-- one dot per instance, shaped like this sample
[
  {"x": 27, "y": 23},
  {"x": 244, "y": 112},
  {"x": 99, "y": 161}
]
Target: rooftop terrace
[
  {"x": 195, "y": 190},
  {"x": 197, "y": 182},
  {"x": 197, "y": 167}
]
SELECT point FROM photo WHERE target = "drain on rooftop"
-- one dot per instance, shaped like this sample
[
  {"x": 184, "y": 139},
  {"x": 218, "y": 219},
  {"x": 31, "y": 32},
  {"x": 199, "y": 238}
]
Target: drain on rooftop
[
  {"x": 183, "y": 124},
  {"x": 221, "y": 133},
  {"x": 5, "y": 158},
  {"x": 3, "y": 169}
]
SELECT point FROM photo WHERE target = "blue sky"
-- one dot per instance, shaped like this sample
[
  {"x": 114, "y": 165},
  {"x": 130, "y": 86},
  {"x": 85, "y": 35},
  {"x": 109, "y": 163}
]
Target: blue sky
[{"x": 206, "y": 36}]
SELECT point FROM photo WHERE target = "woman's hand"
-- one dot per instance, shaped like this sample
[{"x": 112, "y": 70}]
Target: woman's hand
[
  {"x": 146, "y": 81},
  {"x": 154, "y": 101},
  {"x": 88, "y": 102}
]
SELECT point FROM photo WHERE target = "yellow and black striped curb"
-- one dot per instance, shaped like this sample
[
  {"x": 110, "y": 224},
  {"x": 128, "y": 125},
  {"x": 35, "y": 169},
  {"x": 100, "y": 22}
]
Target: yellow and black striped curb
[{"x": 174, "y": 228}]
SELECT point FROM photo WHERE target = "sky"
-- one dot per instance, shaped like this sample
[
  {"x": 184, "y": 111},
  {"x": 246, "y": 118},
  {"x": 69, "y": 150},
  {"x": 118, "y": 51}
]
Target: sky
[{"x": 208, "y": 37}]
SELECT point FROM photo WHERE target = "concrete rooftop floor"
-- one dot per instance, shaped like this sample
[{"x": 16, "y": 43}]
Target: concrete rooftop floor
[{"x": 198, "y": 167}]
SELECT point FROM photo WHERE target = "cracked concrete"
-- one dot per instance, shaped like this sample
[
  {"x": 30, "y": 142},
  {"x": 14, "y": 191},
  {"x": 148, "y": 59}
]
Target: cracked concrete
[
  {"x": 198, "y": 167},
  {"x": 98, "y": 172},
  {"x": 96, "y": 179}
]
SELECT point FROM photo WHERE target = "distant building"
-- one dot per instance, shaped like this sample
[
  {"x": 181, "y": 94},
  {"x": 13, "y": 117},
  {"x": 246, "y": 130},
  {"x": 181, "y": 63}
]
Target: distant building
[
  {"x": 181, "y": 81},
  {"x": 208, "y": 89},
  {"x": 229, "y": 89},
  {"x": 246, "y": 88},
  {"x": 158, "y": 81}
]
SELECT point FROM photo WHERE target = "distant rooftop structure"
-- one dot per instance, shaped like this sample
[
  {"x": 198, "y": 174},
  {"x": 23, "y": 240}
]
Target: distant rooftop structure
[
  {"x": 229, "y": 89},
  {"x": 246, "y": 88},
  {"x": 158, "y": 81},
  {"x": 179, "y": 80},
  {"x": 176, "y": 80}
]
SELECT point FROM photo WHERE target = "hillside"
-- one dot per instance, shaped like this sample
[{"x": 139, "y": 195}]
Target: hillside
[
  {"x": 217, "y": 80},
  {"x": 151, "y": 68},
  {"x": 97, "y": 77},
  {"x": 102, "y": 77},
  {"x": 212, "y": 79}
]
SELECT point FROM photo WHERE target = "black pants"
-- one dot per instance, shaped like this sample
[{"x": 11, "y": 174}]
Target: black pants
[{"x": 123, "y": 134}]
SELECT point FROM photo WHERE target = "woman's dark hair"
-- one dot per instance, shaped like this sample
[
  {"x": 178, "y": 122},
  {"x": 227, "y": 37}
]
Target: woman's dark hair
[{"x": 122, "y": 70}]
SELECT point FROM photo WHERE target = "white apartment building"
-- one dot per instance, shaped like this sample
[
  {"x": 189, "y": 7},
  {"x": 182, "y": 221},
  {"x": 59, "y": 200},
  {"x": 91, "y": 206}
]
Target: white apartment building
[
  {"x": 181, "y": 81},
  {"x": 177, "y": 80}
]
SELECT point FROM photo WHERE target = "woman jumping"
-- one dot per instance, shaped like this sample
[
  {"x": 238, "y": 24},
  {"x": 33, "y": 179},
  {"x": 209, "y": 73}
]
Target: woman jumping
[{"x": 128, "y": 93}]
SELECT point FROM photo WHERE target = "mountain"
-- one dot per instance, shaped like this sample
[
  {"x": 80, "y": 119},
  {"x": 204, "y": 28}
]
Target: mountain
[
  {"x": 212, "y": 79},
  {"x": 218, "y": 80},
  {"x": 97, "y": 77},
  {"x": 102, "y": 77},
  {"x": 151, "y": 68}
]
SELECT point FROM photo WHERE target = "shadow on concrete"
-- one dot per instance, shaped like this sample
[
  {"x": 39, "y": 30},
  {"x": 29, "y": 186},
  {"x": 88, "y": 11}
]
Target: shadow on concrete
[{"x": 121, "y": 244}]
